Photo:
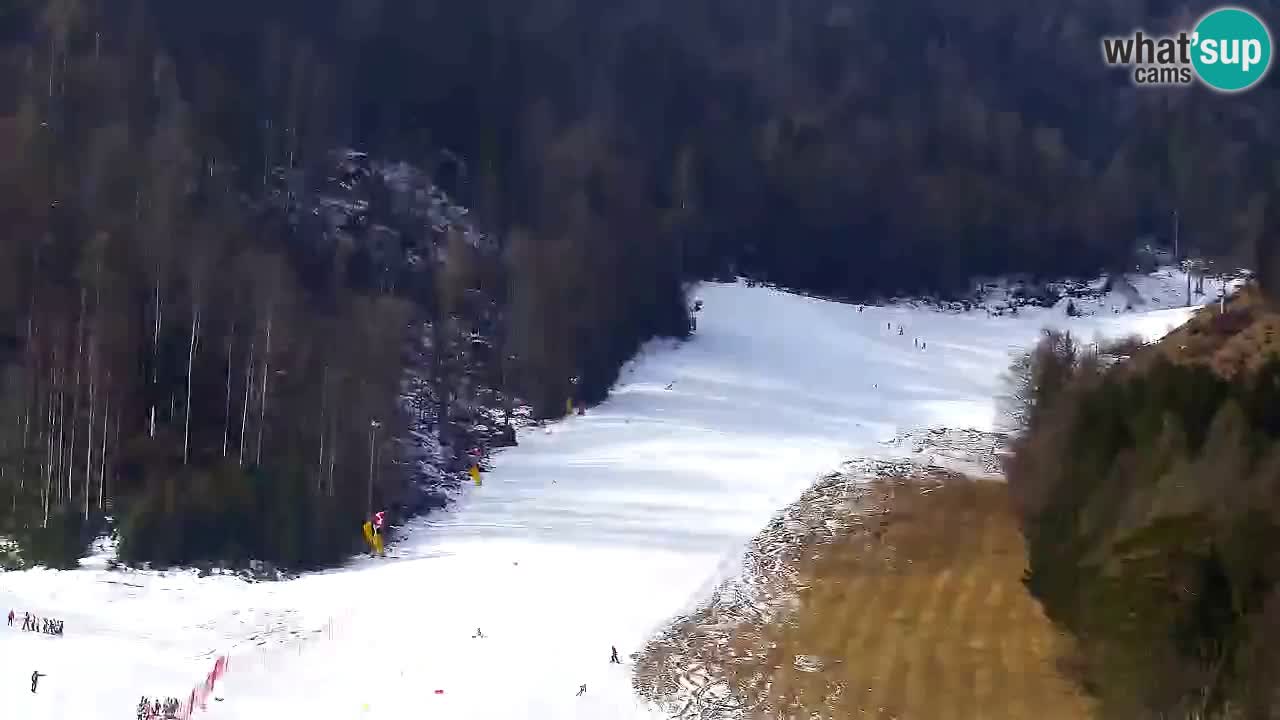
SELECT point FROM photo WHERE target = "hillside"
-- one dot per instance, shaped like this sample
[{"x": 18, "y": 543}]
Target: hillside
[
  {"x": 1147, "y": 490},
  {"x": 1234, "y": 340},
  {"x": 592, "y": 532},
  {"x": 264, "y": 206}
]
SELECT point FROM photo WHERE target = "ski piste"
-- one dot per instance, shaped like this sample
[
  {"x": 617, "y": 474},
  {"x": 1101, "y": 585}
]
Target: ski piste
[{"x": 588, "y": 536}]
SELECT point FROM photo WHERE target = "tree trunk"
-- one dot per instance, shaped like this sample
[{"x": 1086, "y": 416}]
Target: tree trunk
[
  {"x": 102, "y": 455},
  {"x": 262, "y": 407},
  {"x": 62, "y": 437},
  {"x": 155, "y": 355},
  {"x": 75, "y": 398},
  {"x": 33, "y": 371},
  {"x": 50, "y": 446},
  {"x": 115, "y": 436},
  {"x": 26, "y": 431},
  {"x": 88, "y": 444},
  {"x": 333, "y": 450},
  {"x": 244, "y": 414},
  {"x": 191, "y": 359},
  {"x": 226, "y": 423},
  {"x": 324, "y": 427}
]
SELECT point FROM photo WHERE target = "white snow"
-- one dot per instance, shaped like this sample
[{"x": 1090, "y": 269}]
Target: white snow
[
  {"x": 1165, "y": 288},
  {"x": 591, "y": 533}
]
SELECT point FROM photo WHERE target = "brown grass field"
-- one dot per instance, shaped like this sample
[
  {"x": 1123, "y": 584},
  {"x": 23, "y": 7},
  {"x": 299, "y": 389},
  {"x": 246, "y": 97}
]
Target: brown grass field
[
  {"x": 915, "y": 611},
  {"x": 1242, "y": 339}
]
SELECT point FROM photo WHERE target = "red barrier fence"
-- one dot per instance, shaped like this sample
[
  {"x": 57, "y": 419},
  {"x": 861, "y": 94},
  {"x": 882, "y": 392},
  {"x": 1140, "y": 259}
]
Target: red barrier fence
[
  {"x": 200, "y": 694},
  {"x": 257, "y": 660}
]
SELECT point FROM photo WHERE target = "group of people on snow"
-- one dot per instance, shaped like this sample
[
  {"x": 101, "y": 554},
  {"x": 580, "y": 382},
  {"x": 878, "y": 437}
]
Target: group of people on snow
[
  {"x": 48, "y": 626},
  {"x": 156, "y": 709},
  {"x": 919, "y": 344}
]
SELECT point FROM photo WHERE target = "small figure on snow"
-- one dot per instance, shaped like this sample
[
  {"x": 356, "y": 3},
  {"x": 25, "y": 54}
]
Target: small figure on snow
[
  {"x": 900, "y": 330},
  {"x": 613, "y": 657},
  {"x": 26, "y": 621},
  {"x": 582, "y": 690},
  {"x": 35, "y": 680},
  {"x": 10, "y": 618},
  {"x": 479, "y": 634}
]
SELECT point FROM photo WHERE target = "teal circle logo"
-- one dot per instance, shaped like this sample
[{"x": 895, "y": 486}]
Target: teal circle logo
[{"x": 1231, "y": 49}]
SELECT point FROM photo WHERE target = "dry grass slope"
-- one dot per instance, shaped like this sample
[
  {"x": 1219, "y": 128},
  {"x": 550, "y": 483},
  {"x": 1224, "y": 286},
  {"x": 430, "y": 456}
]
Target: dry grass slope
[
  {"x": 1242, "y": 338},
  {"x": 917, "y": 611}
]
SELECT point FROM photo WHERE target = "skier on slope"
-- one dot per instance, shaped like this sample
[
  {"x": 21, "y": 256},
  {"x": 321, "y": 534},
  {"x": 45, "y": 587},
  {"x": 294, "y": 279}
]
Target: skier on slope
[
  {"x": 581, "y": 690},
  {"x": 10, "y": 618},
  {"x": 613, "y": 658},
  {"x": 35, "y": 680}
]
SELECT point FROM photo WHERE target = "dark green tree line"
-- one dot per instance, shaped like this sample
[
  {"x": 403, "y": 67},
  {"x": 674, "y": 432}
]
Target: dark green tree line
[
  {"x": 1148, "y": 499},
  {"x": 170, "y": 283}
]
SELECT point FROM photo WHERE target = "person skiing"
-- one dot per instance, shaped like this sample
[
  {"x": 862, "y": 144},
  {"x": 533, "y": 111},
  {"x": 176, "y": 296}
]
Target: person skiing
[
  {"x": 26, "y": 621},
  {"x": 10, "y": 618},
  {"x": 35, "y": 680},
  {"x": 582, "y": 689},
  {"x": 613, "y": 657}
]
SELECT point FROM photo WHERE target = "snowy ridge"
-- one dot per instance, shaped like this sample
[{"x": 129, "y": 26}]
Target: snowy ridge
[
  {"x": 591, "y": 533},
  {"x": 968, "y": 452},
  {"x": 1164, "y": 288}
]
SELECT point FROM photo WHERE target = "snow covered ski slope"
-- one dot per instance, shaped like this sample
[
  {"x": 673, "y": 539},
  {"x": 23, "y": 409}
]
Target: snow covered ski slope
[{"x": 590, "y": 534}]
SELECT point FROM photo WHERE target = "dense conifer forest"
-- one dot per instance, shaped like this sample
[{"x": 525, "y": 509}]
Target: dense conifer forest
[{"x": 214, "y": 275}]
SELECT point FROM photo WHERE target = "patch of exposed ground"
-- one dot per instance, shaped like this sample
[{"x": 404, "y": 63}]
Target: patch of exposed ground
[
  {"x": 1241, "y": 339},
  {"x": 892, "y": 590}
]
